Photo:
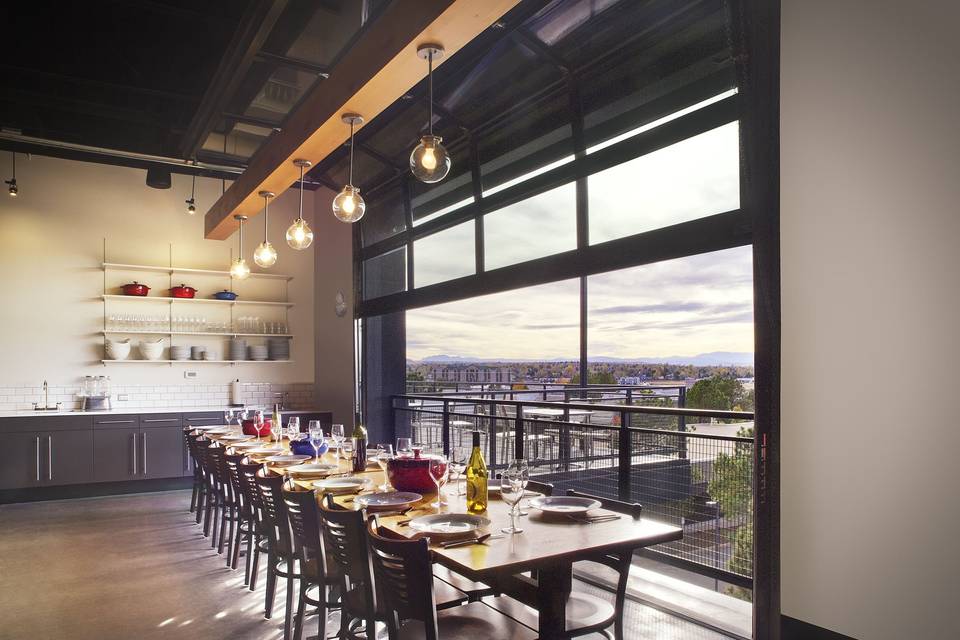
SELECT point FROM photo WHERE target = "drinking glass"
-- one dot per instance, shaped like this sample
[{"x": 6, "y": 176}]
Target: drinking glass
[
  {"x": 384, "y": 456},
  {"x": 276, "y": 430},
  {"x": 258, "y": 422},
  {"x": 457, "y": 464},
  {"x": 513, "y": 483},
  {"x": 337, "y": 435},
  {"x": 438, "y": 472},
  {"x": 316, "y": 439},
  {"x": 404, "y": 446},
  {"x": 293, "y": 428}
]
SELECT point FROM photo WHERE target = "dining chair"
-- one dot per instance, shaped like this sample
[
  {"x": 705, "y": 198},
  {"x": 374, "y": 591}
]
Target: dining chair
[
  {"x": 239, "y": 516},
  {"x": 254, "y": 530},
  {"x": 213, "y": 459},
  {"x": 199, "y": 445},
  {"x": 345, "y": 542},
  {"x": 403, "y": 569},
  {"x": 191, "y": 439},
  {"x": 281, "y": 548},
  {"x": 586, "y": 613},
  {"x": 315, "y": 570}
]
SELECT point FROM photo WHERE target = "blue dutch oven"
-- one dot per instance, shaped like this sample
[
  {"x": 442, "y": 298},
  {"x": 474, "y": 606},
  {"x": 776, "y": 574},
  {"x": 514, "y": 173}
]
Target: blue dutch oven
[{"x": 225, "y": 295}]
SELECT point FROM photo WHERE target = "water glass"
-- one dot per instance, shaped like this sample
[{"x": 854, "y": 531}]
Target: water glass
[
  {"x": 513, "y": 484},
  {"x": 316, "y": 439},
  {"x": 438, "y": 472},
  {"x": 457, "y": 466},
  {"x": 404, "y": 446},
  {"x": 293, "y": 428},
  {"x": 384, "y": 456},
  {"x": 276, "y": 430}
]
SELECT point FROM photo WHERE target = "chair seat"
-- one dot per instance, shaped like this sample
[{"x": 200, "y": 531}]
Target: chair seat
[
  {"x": 583, "y": 611},
  {"x": 472, "y": 589},
  {"x": 470, "y": 622}
]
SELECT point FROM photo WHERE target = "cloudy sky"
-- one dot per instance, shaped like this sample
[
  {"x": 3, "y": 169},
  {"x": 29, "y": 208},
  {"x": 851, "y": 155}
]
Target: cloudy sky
[{"x": 681, "y": 307}]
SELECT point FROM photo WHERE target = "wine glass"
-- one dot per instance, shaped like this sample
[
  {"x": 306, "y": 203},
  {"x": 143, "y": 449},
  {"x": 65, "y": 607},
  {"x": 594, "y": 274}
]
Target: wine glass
[
  {"x": 258, "y": 422},
  {"x": 276, "y": 430},
  {"x": 316, "y": 439},
  {"x": 438, "y": 472},
  {"x": 293, "y": 428},
  {"x": 513, "y": 484},
  {"x": 347, "y": 450},
  {"x": 404, "y": 446},
  {"x": 384, "y": 456},
  {"x": 337, "y": 435},
  {"x": 457, "y": 465}
]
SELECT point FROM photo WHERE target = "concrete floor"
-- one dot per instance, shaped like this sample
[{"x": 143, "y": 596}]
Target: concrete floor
[{"x": 137, "y": 567}]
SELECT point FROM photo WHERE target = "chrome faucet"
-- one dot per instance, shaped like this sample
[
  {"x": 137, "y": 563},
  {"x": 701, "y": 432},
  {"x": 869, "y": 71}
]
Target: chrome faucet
[{"x": 46, "y": 400}]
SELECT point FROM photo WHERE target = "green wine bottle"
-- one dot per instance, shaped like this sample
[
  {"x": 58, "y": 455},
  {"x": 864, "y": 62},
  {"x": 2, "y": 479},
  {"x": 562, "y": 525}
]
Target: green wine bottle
[{"x": 359, "y": 436}]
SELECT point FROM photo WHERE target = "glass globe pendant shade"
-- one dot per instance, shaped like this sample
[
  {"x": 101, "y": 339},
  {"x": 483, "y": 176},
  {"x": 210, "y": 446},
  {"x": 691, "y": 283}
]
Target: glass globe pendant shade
[
  {"x": 239, "y": 270},
  {"x": 430, "y": 161},
  {"x": 299, "y": 234},
  {"x": 348, "y": 206},
  {"x": 265, "y": 255}
]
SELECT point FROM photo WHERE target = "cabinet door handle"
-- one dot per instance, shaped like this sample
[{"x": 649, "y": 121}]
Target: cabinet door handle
[
  {"x": 143, "y": 443},
  {"x": 38, "y": 458},
  {"x": 49, "y": 457},
  {"x": 115, "y": 422},
  {"x": 158, "y": 420},
  {"x": 134, "y": 442}
]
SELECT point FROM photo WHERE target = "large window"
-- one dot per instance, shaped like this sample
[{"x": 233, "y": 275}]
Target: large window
[
  {"x": 445, "y": 255},
  {"x": 539, "y": 226}
]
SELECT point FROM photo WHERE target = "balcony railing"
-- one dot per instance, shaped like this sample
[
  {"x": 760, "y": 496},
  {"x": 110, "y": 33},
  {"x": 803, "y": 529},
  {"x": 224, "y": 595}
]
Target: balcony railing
[{"x": 689, "y": 467}]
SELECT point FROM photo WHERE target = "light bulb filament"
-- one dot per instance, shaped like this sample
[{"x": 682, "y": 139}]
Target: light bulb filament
[{"x": 429, "y": 159}]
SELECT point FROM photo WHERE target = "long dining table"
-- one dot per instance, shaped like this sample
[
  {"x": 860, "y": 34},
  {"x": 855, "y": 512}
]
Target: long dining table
[{"x": 549, "y": 545}]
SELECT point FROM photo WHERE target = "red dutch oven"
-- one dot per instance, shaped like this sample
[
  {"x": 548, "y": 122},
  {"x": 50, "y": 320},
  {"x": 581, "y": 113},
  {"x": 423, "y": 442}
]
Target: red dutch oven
[
  {"x": 250, "y": 428},
  {"x": 411, "y": 473},
  {"x": 135, "y": 289},
  {"x": 183, "y": 291}
]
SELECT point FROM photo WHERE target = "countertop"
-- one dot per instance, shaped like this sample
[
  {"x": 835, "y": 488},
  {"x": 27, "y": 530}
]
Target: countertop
[{"x": 24, "y": 413}]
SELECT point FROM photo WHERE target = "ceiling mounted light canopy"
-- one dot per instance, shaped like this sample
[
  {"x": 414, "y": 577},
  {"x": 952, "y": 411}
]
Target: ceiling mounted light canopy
[
  {"x": 239, "y": 269},
  {"x": 191, "y": 204},
  {"x": 265, "y": 255},
  {"x": 348, "y": 206},
  {"x": 299, "y": 234},
  {"x": 12, "y": 182},
  {"x": 429, "y": 161}
]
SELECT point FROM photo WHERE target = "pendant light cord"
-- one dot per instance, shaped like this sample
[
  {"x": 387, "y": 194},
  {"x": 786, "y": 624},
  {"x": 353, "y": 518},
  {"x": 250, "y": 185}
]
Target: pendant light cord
[
  {"x": 240, "y": 257},
  {"x": 193, "y": 187},
  {"x": 266, "y": 217},
  {"x": 430, "y": 86},
  {"x": 300, "y": 214},
  {"x": 12, "y": 153},
  {"x": 350, "y": 181}
]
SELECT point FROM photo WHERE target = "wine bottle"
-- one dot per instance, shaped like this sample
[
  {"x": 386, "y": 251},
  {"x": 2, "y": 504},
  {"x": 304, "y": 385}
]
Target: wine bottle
[
  {"x": 359, "y": 436},
  {"x": 476, "y": 474}
]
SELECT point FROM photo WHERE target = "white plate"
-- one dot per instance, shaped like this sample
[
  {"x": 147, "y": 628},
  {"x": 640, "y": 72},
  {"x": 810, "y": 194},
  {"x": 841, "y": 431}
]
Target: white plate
[
  {"x": 236, "y": 438},
  {"x": 312, "y": 469},
  {"x": 563, "y": 504},
  {"x": 250, "y": 444},
  {"x": 349, "y": 484},
  {"x": 449, "y": 523},
  {"x": 494, "y": 490},
  {"x": 287, "y": 460},
  {"x": 209, "y": 427},
  {"x": 388, "y": 500},
  {"x": 219, "y": 431}
]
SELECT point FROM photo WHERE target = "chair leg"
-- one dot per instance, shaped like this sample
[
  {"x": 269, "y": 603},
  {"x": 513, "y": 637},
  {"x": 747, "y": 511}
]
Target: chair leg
[
  {"x": 271, "y": 586},
  {"x": 208, "y": 512},
  {"x": 224, "y": 517},
  {"x": 235, "y": 551},
  {"x": 216, "y": 520},
  {"x": 298, "y": 619},
  {"x": 322, "y": 613},
  {"x": 194, "y": 495},
  {"x": 234, "y": 525},
  {"x": 255, "y": 568},
  {"x": 247, "y": 577},
  {"x": 288, "y": 613},
  {"x": 201, "y": 503}
]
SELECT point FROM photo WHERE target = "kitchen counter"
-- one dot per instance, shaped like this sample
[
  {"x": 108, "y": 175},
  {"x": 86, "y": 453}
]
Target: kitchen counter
[{"x": 26, "y": 413}]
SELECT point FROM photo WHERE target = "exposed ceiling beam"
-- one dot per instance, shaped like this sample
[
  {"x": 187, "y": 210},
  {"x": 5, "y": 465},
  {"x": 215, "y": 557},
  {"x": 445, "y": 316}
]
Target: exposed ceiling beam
[
  {"x": 255, "y": 26},
  {"x": 293, "y": 63},
  {"x": 377, "y": 70}
]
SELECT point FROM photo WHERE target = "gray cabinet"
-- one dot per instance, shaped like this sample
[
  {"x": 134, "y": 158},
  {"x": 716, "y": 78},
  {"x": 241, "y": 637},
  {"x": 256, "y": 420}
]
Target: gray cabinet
[
  {"x": 138, "y": 447},
  {"x": 69, "y": 457},
  {"x": 21, "y": 461},
  {"x": 46, "y": 458},
  {"x": 161, "y": 450},
  {"x": 115, "y": 454}
]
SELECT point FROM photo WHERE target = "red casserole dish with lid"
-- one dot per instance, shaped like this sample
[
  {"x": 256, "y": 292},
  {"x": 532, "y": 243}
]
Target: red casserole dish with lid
[
  {"x": 183, "y": 291},
  {"x": 135, "y": 289}
]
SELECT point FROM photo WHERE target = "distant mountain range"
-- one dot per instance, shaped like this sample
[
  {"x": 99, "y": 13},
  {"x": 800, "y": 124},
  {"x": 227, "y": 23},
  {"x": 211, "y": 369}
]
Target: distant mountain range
[{"x": 712, "y": 359}]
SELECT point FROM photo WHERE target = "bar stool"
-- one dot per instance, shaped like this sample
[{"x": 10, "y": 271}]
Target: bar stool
[
  {"x": 316, "y": 571},
  {"x": 403, "y": 569},
  {"x": 238, "y": 513},
  {"x": 216, "y": 500},
  {"x": 281, "y": 549},
  {"x": 191, "y": 439},
  {"x": 255, "y": 529}
]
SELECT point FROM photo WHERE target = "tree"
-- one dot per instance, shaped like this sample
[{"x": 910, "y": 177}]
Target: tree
[
  {"x": 732, "y": 487},
  {"x": 596, "y": 377},
  {"x": 716, "y": 393}
]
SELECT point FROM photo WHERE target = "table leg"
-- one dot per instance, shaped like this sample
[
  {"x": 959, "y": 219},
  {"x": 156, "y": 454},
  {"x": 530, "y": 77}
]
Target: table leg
[{"x": 553, "y": 589}]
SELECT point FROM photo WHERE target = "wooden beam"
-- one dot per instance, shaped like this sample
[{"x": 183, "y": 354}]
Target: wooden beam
[{"x": 377, "y": 70}]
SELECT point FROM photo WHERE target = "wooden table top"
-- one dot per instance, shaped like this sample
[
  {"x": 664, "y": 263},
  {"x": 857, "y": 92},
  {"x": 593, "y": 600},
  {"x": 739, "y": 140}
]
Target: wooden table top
[{"x": 545, "y": 538}]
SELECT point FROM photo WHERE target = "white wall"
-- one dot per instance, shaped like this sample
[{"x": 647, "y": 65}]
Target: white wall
[
  {"x": 334, "y": 273},
  {"x": 53, "y": 236},
  {"x": 870, "y": 260}
]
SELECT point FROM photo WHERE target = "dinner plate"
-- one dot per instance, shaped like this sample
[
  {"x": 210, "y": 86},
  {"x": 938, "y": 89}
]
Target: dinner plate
[
  {"x": 287, "y": 460},
  {"x": 494, "y": 490},
  {"x": 247, "y": 445},
  {"x": 448, "y": 524},
  {"x": 312, "y": 469},
  {"x": 236, "y": 438},
  {"x": 349, "y": 484},
  {"x": 563, "y": 504},
  {"x": 209, "y": 427},
  {"x": 388, "y": 500},
  {"x": 218, "y": 432}
]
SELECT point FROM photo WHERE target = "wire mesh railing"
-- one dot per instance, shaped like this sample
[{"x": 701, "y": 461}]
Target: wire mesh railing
[{"x": 689, "y": 467}]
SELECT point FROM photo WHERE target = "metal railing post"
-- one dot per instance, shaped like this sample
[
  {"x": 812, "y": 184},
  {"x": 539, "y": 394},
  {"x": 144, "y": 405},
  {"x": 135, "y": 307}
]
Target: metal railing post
[
  {"x": 625, "y": 462},
  {"x": 682, "y": 424},
  {"x": 445, "y": 435},
  {"x": 518, "y": 435}
]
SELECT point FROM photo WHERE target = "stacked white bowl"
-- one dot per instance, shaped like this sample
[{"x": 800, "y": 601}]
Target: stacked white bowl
[
  {"x": 151, "y": 349},
  {"x": 118, "y": 349},
  {"x": 258, "y": 352}
]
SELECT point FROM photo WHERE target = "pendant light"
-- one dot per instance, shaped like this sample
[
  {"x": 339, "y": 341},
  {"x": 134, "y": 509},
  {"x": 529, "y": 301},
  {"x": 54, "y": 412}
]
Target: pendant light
[
  {"x": 265, "y": 255},
  {"x": 239, "y": 269},
  {"x": 429, "y": 161},
  {"x": 299, "y": 234},
  {"x": 12, "y": 182},
  {"x": 191, "y": 205},
  {"x": 348, "y": 206}
]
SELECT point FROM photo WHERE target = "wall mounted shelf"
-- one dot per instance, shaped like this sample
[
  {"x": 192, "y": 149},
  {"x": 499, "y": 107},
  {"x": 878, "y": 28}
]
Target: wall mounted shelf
[
  {"x": 192, "y": 362},
  {"x": 114, "y": 266},
  {"x": 232, "y": 303},
  {"x": 196, "y": 333}
]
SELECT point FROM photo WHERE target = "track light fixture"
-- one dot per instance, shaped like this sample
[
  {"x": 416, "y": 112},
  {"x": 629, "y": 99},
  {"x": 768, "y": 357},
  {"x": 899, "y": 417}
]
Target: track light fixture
[
  {"x": 239, "y": 269},
  {"x": 299, "y": 234},
  {"x": 429, "y": 161},
  {"x": 12, "y": 182},
  {"x": 348, "y": 206},
  {"x": 265, "y": 255},
  {"x": 191, "y": 204}
]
